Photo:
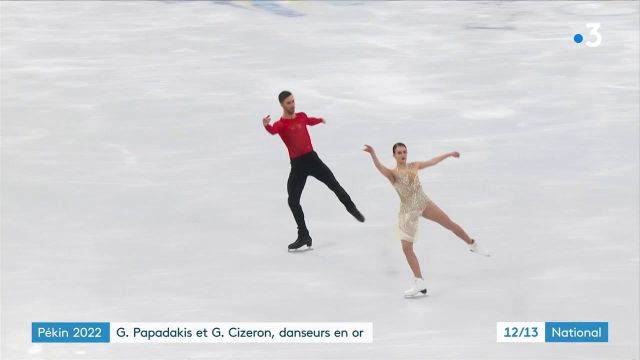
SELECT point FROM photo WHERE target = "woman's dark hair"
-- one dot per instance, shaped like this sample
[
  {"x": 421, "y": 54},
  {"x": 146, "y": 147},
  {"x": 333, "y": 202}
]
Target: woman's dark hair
[
  {"x": 398, "y": 145},
  {"x": 283, "y": 95}
]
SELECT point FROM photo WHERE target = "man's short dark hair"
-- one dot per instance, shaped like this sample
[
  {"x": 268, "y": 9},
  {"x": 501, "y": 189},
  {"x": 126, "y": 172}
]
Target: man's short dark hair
[{"x": 283, "y": 95}]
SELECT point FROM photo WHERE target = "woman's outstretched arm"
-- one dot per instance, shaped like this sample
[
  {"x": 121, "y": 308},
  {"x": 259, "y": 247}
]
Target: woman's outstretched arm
[
  {"x": 435, "y": 160},
  {"x": 383, "y": 170}
]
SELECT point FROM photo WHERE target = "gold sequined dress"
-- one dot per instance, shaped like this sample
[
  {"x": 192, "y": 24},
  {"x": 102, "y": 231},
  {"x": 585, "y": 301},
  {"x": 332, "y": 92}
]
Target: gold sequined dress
[{"x": 413, "y": 201}]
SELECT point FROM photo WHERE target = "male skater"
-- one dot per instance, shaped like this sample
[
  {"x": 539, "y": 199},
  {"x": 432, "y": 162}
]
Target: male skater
[{"x": 292, "y": 128}]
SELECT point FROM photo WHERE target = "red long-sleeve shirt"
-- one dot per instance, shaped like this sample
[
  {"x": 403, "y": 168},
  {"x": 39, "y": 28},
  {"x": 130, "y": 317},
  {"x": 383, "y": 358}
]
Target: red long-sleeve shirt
[{"x": 294, "y": 134}]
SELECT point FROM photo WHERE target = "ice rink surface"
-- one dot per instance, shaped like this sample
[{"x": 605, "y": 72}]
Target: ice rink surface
[{"x": 138, "y": 183}]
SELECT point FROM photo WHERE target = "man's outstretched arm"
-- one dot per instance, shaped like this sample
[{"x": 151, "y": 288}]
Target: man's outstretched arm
[
  {"x": 314, "y": 121},
  {"x": 270, "y": 128}
]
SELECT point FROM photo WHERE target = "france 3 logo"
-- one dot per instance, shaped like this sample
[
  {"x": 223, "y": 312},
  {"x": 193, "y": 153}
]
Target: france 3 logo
[{"x": 595, "y": 34}]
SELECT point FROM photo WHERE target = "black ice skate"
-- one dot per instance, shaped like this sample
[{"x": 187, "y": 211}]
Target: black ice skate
[
  {"x": 301, "y": 241},
  {"x": 356, "y": 214}
]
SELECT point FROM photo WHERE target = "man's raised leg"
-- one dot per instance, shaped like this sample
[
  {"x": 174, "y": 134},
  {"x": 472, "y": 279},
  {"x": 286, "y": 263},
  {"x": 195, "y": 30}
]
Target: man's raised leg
[{"x": 322, "y": 172}]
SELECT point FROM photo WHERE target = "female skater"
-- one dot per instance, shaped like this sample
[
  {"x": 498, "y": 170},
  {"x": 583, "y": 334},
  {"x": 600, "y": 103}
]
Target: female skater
[{"x": 415, "y": 203}]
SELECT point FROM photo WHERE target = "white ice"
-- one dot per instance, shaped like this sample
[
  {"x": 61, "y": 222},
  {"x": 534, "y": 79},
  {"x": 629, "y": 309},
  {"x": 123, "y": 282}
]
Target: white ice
[{"x": 139, "y": 185}]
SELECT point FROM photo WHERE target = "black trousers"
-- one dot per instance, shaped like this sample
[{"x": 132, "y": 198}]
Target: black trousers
[{"x": 311, "y": 165}]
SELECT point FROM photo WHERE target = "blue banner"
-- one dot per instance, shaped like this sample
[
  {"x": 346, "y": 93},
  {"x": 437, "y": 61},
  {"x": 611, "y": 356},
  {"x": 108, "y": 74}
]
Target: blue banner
[
  {"x": 576, "y": 332},
  {"x": 70, "y": 332}
]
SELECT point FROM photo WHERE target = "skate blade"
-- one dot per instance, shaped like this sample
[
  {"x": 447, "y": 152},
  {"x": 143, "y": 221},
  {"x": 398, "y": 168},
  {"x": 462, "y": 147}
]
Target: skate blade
[
  {"x": 300, "y": 250},
  {"x": 477, "y": 253},
  {"x": 419, "y": 294}
]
